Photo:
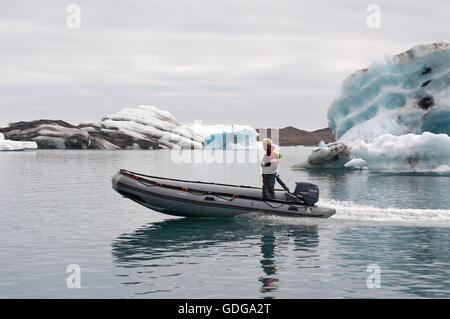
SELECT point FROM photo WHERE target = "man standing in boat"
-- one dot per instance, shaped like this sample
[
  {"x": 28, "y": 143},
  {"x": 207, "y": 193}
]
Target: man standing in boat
[{"x": 269, "y": 166}]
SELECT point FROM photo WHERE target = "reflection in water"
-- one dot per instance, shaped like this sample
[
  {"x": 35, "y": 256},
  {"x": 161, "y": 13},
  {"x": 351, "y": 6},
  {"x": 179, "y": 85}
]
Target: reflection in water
[
  {"x": 183, "y": 237},
  {"x": 268, "y": 263}
]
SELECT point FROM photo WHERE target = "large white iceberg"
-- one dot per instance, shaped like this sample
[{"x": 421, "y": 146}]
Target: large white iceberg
[
  {"x": 145, "y": 127},
  {"x": 8, "y": 145},
  {"x": 393, "y": 116},
  {"x": 227, "y": 137},
  {"x": 142, "y": 127}
]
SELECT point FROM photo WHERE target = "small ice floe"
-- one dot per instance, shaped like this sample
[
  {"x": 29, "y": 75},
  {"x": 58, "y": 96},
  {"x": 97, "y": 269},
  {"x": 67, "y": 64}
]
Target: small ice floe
[
  {"x": 443, "y": 169},
  {"x": 357, "y": 163},
  {"x": 8, "y": 145}
]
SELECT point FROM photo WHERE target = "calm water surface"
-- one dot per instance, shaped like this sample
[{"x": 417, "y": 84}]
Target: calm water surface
[{"x": 57, "y": 208}]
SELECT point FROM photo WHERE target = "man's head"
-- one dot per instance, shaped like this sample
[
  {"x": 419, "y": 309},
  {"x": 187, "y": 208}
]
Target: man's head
[{"x": 267, "y": 145}]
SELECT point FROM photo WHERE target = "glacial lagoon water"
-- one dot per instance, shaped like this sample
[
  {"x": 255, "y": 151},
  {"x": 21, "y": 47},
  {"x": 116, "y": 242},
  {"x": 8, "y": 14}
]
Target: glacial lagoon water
[{"x": 57, "y": 209}]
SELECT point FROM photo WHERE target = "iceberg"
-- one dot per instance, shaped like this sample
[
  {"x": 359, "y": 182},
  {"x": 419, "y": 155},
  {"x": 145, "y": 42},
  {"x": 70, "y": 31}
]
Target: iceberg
[
  {"x": 227, "y": 137},
  {"x": 142, "y": 127},
  {"x": 406, "y": 93},
  {"x": 48, "y": 134},
  {"x": 393, "y": 115},
  {"x": 424, "y": 152},
  {"x": 8, "y": 145},
  {"x": 333, "y": 155}
]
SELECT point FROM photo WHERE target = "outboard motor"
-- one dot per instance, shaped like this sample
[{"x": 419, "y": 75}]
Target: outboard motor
[{"x": 307, "y": 192}]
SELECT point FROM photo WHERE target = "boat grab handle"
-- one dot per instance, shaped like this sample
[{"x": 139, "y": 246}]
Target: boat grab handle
[
  {"x": 146, "y": 183},
  {"x": 210, "y": 198}
]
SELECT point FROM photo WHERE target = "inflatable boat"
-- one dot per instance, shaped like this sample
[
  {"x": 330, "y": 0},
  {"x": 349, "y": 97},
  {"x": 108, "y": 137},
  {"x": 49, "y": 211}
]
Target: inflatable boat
[{"x": 200, "y": 199}]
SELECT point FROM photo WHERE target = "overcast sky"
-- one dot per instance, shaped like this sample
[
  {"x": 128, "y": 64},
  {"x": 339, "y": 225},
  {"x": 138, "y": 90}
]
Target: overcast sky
[{"x": 263, "y": 63}]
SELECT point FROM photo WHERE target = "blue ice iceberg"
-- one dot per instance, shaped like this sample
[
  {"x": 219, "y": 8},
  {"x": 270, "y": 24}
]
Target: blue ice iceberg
[
  {"x": 406, "y": 93},
  {"x": 227, "y": 137},
  {"x": 393, "y": 116}
]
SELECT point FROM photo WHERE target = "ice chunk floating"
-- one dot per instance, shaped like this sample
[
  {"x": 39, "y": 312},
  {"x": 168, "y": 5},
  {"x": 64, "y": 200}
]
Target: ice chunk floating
[
  {"x": 226, "y": 137},
  {"x": 393, "y": 116},
  {"x": 410, "y": 152},
  {"x": 7, "y": 145}
]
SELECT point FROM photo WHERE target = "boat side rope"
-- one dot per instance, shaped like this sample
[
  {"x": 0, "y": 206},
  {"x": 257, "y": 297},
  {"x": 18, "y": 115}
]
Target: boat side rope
[
  {"x": 223, "y": 196},
  {"x": 128, "y": 172}
]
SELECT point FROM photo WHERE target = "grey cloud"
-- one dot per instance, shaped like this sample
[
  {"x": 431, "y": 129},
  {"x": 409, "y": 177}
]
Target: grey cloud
[{"x": 262, "y": 63}]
